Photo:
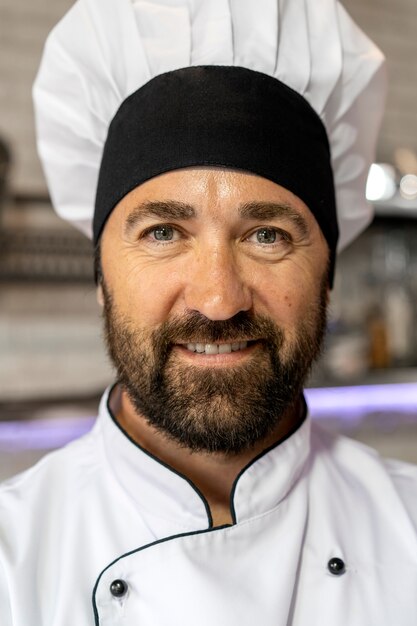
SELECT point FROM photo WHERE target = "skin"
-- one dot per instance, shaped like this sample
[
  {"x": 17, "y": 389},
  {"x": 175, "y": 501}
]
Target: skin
[{"x": 214, "y": 264}]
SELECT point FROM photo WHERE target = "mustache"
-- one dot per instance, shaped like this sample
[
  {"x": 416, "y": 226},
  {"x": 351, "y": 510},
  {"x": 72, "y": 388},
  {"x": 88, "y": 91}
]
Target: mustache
[{"x": 196, "y": 328}]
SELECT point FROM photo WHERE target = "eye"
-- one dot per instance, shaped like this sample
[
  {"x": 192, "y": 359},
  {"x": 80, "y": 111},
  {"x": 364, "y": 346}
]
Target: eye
[
  {"x": 161, "y": 236},
  {"x": 163, "y": 232},
  {"x": 266, "y": 235}
]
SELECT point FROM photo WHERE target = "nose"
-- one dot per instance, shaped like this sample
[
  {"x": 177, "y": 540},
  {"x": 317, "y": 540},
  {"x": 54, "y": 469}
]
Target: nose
[{"x": 216, "y": 287}]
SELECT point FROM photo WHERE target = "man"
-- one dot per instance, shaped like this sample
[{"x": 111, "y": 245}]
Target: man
[{"x": 204, "y": 495}]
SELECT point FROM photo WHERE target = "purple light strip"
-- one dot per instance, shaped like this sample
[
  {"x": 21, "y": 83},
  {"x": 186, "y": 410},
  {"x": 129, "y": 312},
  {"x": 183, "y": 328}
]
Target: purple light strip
[
  {"x": 42, "y": 434},
  {"x": 344, "y": 403}
]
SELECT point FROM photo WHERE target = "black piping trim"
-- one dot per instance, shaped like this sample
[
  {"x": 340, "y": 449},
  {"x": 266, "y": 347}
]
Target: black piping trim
[
  {"x": 145, "y": 547},
  {"x": 155, "y": 458},
  {"x": 261, "y": 454}
]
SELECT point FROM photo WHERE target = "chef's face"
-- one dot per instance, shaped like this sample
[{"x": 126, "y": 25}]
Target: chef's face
[{"x": 214, "y": 290}]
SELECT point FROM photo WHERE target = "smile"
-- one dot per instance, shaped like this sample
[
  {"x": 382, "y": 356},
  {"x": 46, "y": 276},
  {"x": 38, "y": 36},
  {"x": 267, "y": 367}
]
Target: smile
[{"x": 216, "y": 348}]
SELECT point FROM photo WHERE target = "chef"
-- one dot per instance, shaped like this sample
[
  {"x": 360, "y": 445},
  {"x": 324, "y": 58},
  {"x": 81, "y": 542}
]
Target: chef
[{"x": 217, "y": 153}]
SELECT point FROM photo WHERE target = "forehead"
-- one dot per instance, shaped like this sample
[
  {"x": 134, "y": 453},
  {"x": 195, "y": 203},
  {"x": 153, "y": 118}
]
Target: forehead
[{"x": 211, "y": 192}]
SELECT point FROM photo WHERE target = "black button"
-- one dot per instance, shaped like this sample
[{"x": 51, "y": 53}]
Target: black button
[
  {"x": 118, "y": 588},
  {"x": 336, "y": 566}
]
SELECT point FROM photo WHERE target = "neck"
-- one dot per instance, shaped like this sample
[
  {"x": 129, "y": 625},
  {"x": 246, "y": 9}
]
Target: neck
[{"x": 212, "y": 473}]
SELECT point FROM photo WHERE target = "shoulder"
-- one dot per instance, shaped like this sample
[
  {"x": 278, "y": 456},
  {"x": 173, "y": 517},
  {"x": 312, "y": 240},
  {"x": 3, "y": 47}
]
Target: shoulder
[
  {"x": 43, "y": 492},
  {"x": 48, "y": 523},
  {"x": 388, "y": 486}
]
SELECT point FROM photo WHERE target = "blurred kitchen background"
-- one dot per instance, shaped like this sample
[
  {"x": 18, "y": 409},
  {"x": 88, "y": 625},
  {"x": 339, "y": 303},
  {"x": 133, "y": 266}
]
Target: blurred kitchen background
[{"x": 53, "y": 367}]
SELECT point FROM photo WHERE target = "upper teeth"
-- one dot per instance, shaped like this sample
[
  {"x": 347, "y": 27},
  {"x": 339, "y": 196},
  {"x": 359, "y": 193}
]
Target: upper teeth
[{"x": 217, "y": 348}]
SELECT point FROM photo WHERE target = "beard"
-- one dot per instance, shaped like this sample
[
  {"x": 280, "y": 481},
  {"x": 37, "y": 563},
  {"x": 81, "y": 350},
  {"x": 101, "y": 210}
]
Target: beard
[{"x": 213, "y": 409}]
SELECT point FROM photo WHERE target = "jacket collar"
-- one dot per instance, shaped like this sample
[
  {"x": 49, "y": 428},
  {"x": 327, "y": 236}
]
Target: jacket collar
[{"x": 159, "y": 490}]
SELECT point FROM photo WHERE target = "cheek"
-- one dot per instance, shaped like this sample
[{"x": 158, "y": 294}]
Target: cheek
[
  {"x": 293, "y": 304},
  {"x": 287, "y": 307},
  {"x": 285, "y": 300},
  {"x": 146, "y": 297}
]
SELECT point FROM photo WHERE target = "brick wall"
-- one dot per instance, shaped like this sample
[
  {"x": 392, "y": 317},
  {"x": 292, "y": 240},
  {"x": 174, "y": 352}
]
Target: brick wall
[
  {"x": 25, "y": 23},
  {"x": 392, "y": 24}
]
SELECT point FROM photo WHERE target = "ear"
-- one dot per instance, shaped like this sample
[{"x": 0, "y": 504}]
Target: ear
[{"x": 100, "y": 295}]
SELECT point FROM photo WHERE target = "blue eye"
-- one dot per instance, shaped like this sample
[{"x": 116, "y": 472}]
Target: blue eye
[
  {"x": 266, "y": 235},
  {"x": 163, "y": 233}
]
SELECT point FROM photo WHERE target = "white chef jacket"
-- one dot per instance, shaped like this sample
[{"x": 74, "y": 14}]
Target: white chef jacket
[{"x": 102, "y": 509}]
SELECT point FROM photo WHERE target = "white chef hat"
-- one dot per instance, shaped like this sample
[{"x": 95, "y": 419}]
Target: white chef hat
[{"x": 103, "y": 51}]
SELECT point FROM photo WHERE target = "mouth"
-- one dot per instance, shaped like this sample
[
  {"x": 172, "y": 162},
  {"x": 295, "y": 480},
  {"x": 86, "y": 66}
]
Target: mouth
[{"x": 217, "y": 348}]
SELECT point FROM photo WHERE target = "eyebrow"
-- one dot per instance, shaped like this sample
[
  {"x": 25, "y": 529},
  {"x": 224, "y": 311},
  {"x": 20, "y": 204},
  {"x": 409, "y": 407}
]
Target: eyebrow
[
  {"x": 264, "y": 211},
  {"x": 174, "y": 210},
  {"x": 163, "y": 210}
]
